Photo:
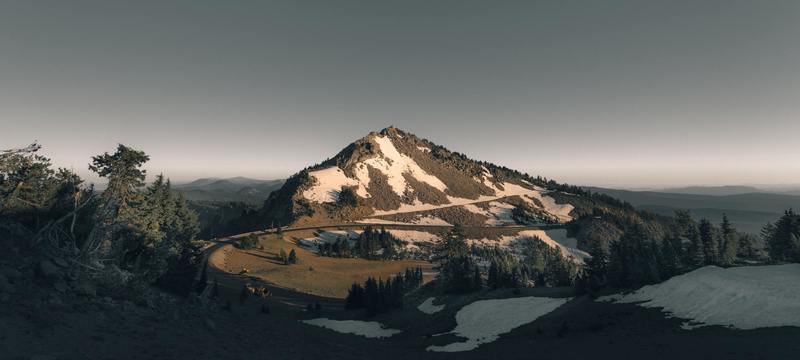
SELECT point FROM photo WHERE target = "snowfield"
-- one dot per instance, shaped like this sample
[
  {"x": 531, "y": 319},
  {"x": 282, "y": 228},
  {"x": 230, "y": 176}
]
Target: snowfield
[
  {"x": 369, "y": 329},
  {"x": 484, "y": 321},
  {"x": 428, "y": 307},
  {"x": 746, "y": 297}
]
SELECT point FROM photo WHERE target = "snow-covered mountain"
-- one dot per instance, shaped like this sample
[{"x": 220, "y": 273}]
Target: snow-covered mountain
[{"x": 394, "y": 176}]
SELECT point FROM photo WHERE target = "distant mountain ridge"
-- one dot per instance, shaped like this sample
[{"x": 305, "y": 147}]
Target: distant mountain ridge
[
  {"x": 239, "y": 189},
  {"x": 714, "y": 190},
  {"x": 748, "y": 211}
]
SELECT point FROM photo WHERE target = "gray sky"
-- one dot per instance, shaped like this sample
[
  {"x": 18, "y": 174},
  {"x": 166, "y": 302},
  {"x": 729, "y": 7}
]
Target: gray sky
[{"x": 624, "y": 93}]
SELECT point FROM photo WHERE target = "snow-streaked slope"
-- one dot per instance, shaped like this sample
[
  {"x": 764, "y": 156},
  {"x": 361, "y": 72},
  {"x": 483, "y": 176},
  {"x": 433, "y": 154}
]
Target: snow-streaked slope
[
  {"x": 743, "y": 297},
  {"x": 560, "y": 211},
  {"x": 369, "y": 329},
  {"x": 391, "y": 163},
  {"x": 484, "y": 321},
  {"x": 395, "y": 166},
  {"x": 428, "y": 307}
]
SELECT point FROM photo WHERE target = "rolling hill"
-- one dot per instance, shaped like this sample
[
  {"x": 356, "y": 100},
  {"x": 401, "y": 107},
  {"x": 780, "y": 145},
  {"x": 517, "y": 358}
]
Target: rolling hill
[
  {"x": 748, "y": 211},
  {"x": 237, "y": 189}
]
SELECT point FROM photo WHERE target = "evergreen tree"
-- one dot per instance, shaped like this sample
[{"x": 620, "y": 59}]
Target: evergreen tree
[
  {"x": 493, "y": 280},
  {"x": 596, "y": 269},
  {"x": 371, "y": 296},
  {"x": 709, "y": 242},
  {"x": 355, "y": 297},
  {"x": 670, "y": 259},
  {"x": 292, "y": 259},
  {"x": 124, "y": 174},
  {"x": 695, "y": 255},
  {"x": 729, "y": 242},
  {"x": 455, "y": 265},
  {"x": 633, "y": 259},
  {"x": 783, "y": 238}
]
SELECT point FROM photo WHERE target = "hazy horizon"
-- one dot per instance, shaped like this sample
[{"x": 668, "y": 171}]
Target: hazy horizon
[{"x": 619, "y": 94}]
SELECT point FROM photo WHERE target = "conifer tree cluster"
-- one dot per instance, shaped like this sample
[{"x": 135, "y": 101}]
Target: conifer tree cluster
[
  {"x": 458, "y": 271},
  {"x": 638, "y": 259},
  {"x": 370, "y": 244},
  {"x": 288, "y": 259},
  {"x": 783, "y": 237},
  {"x": 140, "y": 231},
  {"x": 378, "y": 296},
  {"x": 545, "y": 265},
  {"x": 249, "y": 242}
]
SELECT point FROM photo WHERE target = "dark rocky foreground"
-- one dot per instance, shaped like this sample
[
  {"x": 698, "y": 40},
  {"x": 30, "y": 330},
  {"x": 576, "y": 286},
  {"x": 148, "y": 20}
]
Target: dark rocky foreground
[{"x": 52, "y": 325}]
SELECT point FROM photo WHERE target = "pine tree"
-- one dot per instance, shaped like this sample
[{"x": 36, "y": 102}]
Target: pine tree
[
  {"x": 596, "y": 268},
  {"x": 670, "y": 259},
  {"x": 292, "y": 259},
  {"x": 695, "y": 255},
  {"x": 476, "y": 279},
  {"x": 355, "y": 297},
  {"x": 729, "y": 242},
  {"x": 454, "y": 262},
  {"x": 493, "y": 281},
  {"x": 709, "y": 242},
  {"x": 782, "y": 237}
]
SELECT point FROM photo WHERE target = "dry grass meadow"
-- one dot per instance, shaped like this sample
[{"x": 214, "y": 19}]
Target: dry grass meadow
[{"x": 317, "y": 275}]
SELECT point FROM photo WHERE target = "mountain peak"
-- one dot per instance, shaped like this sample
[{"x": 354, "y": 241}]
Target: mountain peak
[
  {"x": 393, "y": 172},
  {"x": 391, "y": 131}
]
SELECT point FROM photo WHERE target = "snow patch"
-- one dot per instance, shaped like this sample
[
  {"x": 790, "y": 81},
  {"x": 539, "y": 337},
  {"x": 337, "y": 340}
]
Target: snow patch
[
  {"x": 431, "y": 220},
  {"x": 484, "y": 321},
  {"x": 413, "y": 236},
  {"x": 501, "y": 214},
  {"x": 428, "y": 307},
  {"x": 745, "y": 297},
  {"x": 558, "y": 239},
  {"x": 369, "y": 329},
  {"x": 329, "y": 183},
  {"x": 380, "y": 221},
  {"x": 561, "y": 211}
]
